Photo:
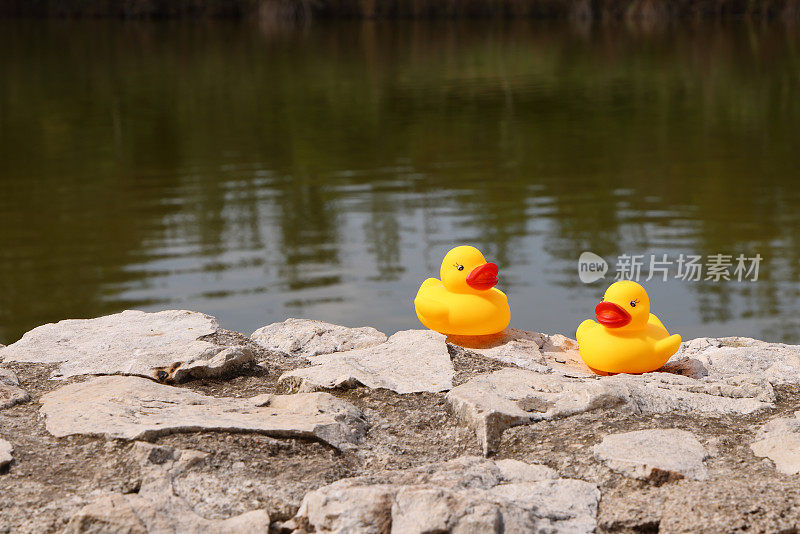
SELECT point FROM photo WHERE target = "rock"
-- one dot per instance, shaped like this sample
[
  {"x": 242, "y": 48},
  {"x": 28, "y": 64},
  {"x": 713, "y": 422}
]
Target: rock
[
  {"x": 157, "y": 507},
  {"x": 5, "y": 454},
  {"x": 307, "y": 338},
  {"x": 410, "y": 361},
  {"x": 137, "y": 408},
  {"x": 166, "y": 345},
  {"x": 492, "y": 403},
  {"x": 10, "y": 392},
  {"x": 779, "y": 440},
  {"x": 512, "y": 346},
  {"x": 654, "y": 454},
  {"x": 468, "y": 494},
  {"x": 7, "y": 376},
  {"x": 716, "y": 358},
  {"x": 682, "y": 365},
  {"x": 667, "y": 393},
  {"x": 730, "y": 356},
  {"x": 513, "y": 471},
  {"x": 530, "y": 350}
]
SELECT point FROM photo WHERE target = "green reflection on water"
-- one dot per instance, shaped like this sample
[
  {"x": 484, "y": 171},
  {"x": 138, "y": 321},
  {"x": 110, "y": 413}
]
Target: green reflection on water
[{"x": 323, "y": 171}]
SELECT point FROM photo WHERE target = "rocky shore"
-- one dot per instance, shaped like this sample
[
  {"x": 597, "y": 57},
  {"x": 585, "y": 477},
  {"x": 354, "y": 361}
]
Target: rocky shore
[{"x": 164, "y": 422}]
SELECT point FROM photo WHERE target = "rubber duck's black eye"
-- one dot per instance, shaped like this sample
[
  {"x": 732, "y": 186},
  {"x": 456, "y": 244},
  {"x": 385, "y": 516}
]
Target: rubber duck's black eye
[
  {"x": 633, "y": 304},
  {"x": 459, "y": 267}
]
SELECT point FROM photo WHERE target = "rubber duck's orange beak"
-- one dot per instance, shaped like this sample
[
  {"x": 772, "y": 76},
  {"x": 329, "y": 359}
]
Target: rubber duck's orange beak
[
  {"x": 611, "y": 315},
  {"x": 483, "y": 277}
]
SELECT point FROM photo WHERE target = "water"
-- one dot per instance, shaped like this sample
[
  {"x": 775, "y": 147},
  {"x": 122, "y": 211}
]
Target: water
[{"x": 257, "y": 173}]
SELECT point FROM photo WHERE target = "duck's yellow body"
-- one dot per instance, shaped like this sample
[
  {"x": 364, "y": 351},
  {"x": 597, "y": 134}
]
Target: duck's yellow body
[
  {"x": 626, "y": 338},
  {"x": 464, "y": 302}
]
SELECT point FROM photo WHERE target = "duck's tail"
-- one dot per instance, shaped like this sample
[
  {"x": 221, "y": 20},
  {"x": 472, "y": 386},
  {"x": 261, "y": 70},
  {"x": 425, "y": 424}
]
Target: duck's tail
[{"x": 668, "y": 346}]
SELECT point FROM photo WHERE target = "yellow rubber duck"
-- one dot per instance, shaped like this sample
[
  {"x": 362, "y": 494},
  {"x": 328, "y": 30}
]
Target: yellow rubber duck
[
  {"x": 626, "y": 338},
  {"x": 465, "y": 301}
]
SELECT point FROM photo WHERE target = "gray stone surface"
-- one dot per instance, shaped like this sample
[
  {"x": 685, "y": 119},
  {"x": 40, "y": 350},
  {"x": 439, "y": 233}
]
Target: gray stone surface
[
  {"x": 157, "y": 507},
  {"x": 137, "y": 408},
  {"x": 779, "y": 440},
  {"x": 5, "y": 454},
  {"x": 652, "y": 454},
  {"x": 166, "y": 345},
  {"x": 410, "y": 361},
  {"x": 7, "y": 376},
  {"x": 10, "y": 392},
  {"x": 720, "y": 391},
  {"x": 95, "y": 479},
  {"x": 468, "y": 494},
  {"x": 512, "y": 471},
  {"x": 530, "y": 350},
  {"x": 730, "y": 356},
  {"x": 307, "y": 337},
  {"x": 492, "y": 403}
]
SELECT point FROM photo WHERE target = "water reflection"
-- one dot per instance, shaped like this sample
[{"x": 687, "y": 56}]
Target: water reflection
[{"x": 324, "y": 171}]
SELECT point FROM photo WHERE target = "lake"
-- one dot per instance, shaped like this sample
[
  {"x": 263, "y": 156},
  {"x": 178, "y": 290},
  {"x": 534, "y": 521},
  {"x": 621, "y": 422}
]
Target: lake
[{"x": 257, "y": 172}]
